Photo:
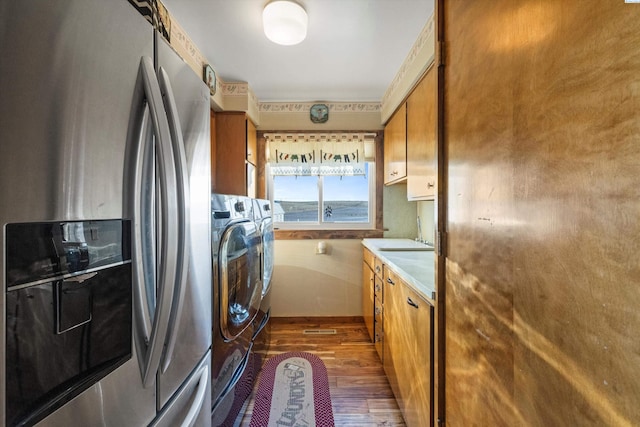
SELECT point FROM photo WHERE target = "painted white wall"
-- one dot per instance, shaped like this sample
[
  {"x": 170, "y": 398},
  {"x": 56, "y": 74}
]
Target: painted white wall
[{"x": 307, "y": 284}]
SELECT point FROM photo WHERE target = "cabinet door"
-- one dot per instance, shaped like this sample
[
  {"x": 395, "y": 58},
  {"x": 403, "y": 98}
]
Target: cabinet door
[
  {"x": 231, "y": 152},
  {"x": 421, "y": 138},
  {"x": 377, "y": 267},
  {"x": 378, "y": 328},
  {"x": 408, "y": 350},
  {"x": 395, "y": 147},
  {"x": 236, "y": 155},
  {"x": 393, "y": 328},
  {"x": 415, "y": 373},
  {"x": 252, "y": 143},
  {"x": 368, "y": 298},
  {"x": 368, "y": 257}
]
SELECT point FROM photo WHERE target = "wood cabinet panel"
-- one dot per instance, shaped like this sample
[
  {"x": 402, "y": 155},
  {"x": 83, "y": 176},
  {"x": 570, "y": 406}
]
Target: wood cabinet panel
[
  {"x": 395, "y": 147},
  {"x": 421, "y": 138},
  {"x": 212, "y": 134},
  {"x": 541, "y": 120},
  {"x": 415, "y": 373},
  {"x": 372, "y": 303},
  {"x": 391, "y": 343},
  {"x": 368, "y": 257},
  {"x": 377, "y": 267},
  {"x": 378, "y": 325},
  {"x": 252, "y": 143},
  {"x": 408, "y": 350},
  {"x": 368, "y": 298},
  {"x": 235, "y": 136}
]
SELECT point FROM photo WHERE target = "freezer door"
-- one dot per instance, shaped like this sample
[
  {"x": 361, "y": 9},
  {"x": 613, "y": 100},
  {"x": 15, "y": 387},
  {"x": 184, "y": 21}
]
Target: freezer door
[
  {"x": 189, "y": 337},
  {"x": 67, "y": 74},
  {"x": 190, "y": 405}
]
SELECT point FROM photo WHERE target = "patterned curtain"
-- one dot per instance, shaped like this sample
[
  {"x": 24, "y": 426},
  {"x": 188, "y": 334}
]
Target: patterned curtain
[{"x": 318, "y": 153}]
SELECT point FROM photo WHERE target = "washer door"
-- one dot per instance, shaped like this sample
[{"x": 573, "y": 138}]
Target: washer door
[
  {"x": 267, "y": 253},
  {"x": 241, "y": 287}
]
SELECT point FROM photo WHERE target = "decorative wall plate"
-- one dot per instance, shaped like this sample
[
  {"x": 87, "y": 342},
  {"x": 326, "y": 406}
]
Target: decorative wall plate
[
  {"x": 209, "y": 77},
  {"x": 319, "y": 113}
]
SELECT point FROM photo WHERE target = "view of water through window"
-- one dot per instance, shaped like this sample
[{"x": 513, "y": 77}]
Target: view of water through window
[{"x": 345, "y": 198}]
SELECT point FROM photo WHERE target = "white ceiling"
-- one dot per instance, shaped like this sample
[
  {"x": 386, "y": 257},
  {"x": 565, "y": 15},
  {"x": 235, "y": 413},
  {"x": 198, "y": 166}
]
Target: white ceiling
[{"x": 352, "y": 52}]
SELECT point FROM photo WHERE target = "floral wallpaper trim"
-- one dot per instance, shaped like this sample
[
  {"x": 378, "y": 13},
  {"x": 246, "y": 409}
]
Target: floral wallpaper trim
[
  {"x": 235, "y": 89},
  {"x": 186, "y": 47},
  {"x": 415, "y": 50},
  {"x": 304, "y": 107}
]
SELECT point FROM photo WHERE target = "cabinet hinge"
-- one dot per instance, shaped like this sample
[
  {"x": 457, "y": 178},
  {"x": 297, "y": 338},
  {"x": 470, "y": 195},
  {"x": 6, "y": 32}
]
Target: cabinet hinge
[
  {"x": 441, "y": 53},
  {"x": 439, "y": 242}
]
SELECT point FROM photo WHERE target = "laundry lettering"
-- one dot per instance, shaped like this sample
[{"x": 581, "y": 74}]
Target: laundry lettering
[{"x": 295, "y": 403}]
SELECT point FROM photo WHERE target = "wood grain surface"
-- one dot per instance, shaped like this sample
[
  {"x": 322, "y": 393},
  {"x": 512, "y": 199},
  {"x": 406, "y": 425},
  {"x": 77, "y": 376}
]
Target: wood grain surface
[
  {"x": 542, "y": 131},
  {"x": 360, "y": 392},
  {"x": 422, "y": 110}
]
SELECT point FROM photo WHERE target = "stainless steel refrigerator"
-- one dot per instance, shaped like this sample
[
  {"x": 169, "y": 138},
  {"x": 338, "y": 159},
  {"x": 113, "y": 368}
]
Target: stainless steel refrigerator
[{"x": 105, "y": 308}]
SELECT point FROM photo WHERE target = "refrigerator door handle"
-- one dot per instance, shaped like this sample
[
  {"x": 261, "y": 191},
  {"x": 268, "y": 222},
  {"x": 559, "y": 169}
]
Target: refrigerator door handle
[
  {"x": 182, "y": 187},
  {"x": 198, "y": 401},
  {"x": 152, "y": 344},
  {"x": 144, "y": 301}
]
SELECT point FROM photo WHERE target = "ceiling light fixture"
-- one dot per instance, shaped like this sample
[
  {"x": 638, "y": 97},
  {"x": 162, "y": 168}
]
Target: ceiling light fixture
[{"x": 285, "y": 22}]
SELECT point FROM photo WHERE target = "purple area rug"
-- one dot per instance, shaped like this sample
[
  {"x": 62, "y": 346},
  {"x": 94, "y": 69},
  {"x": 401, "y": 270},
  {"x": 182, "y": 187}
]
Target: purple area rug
[{"x": 293, "y": 391}]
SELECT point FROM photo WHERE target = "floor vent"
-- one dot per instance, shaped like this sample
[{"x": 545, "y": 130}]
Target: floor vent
[{"x": 319, "y": 332}]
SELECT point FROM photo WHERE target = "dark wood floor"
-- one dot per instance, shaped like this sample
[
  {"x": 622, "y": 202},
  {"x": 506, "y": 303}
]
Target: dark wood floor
[{"x": 360, "y": 393}]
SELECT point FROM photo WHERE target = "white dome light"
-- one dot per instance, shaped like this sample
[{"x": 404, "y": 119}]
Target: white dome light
[{"x": 285, "y": 22}]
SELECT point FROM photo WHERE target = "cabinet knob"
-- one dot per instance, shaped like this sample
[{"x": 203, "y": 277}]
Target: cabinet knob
[
  {"x": 430, "y": 184},
  {"x": 389, "y": 281}
]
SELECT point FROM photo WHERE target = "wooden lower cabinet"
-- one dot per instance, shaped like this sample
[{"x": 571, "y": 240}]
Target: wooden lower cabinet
[
  {"x": 378, "y": 312},
  {"x": 368, "y": 298},
  {"x": 408, "y": 350},
  {"x": 372, "y": 301}
]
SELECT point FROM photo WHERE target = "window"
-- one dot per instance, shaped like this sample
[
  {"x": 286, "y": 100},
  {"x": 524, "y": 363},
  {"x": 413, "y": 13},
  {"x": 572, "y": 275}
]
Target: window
[
  {"x": 340, "y": 202},
  {"x": 322, "y": 195}
]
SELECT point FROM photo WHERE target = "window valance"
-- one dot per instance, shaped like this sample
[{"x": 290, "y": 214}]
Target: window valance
[{"x": 319, "y": 153}]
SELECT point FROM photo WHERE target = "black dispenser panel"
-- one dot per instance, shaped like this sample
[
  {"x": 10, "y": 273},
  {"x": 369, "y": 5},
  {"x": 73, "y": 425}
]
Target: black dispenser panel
[
  {"x": 40, "y": 251},
  {"x": 68, "y": 311}
]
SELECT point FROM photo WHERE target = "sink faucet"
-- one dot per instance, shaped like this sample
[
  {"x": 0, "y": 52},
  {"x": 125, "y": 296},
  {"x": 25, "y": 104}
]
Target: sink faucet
[{"x": 419, "y": 238}]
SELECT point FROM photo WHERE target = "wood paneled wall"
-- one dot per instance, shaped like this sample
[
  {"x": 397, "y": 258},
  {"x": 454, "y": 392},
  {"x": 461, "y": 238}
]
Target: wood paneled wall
[{"x": 542, "y": 134}]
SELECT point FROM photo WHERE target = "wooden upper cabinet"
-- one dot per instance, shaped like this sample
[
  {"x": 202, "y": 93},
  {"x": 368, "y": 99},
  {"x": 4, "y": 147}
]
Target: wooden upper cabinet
[
  {"x": 421, "y": 138},
  {"x": 212, "y": 134},
  {"x": 395, "y": 147},
  {"x": 236, "y": 154},
  {"x": 252, "y": 143}
]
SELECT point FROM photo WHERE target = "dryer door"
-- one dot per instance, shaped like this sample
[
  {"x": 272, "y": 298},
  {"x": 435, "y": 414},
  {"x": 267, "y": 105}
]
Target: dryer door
[
  {"x": 240, "y": 283},
  {"x": 267, "y": 253}
]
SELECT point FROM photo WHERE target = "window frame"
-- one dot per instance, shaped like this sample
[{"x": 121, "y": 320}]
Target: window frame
[
  {"x": 329, "y": 226},
  {"x": 378, "y": 232}
]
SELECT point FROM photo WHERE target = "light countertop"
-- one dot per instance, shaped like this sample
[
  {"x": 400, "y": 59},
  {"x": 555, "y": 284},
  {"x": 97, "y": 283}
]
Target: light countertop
[{"x": 416, "y": 267}]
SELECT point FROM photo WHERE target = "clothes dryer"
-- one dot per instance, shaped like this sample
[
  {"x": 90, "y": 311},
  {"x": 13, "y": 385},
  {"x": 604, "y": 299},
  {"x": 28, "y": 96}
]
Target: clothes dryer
[
  {"x": 237, "y": 296},
  {"x": 262, "y": 334}
]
